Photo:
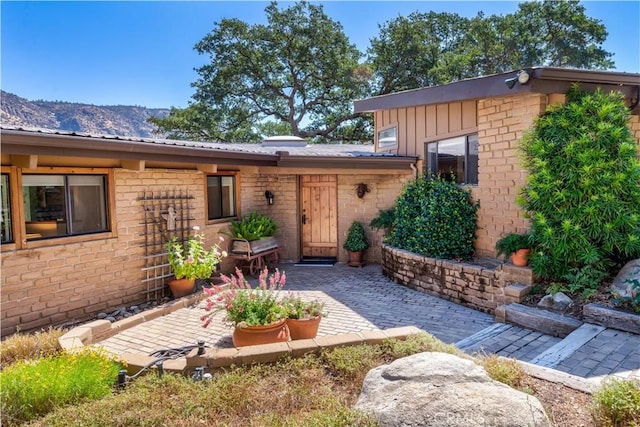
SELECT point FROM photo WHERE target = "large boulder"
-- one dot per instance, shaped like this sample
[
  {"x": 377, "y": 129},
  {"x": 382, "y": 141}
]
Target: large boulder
[
  {"x": 438, "y": 389},
  {"x": 623, "y": 284}
]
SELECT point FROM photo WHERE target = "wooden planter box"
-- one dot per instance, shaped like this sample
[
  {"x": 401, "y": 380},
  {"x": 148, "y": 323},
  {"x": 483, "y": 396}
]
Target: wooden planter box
[{"x": 241, "y": 246}]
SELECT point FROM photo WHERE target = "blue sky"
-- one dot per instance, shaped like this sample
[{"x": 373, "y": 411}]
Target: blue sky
[{"x": 141, "y": 53}]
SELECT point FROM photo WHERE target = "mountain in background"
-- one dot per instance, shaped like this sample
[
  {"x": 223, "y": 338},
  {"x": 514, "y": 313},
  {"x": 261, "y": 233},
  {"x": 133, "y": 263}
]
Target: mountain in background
[{"x": 119, "y": 120}]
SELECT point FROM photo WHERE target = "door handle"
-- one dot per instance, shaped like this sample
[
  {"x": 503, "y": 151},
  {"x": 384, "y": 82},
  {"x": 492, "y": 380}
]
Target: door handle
[{"x": 304, "y": 218}]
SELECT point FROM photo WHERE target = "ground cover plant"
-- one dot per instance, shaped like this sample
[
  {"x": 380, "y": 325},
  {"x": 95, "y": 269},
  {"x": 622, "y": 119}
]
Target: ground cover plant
[
  {"x": 315, "y": 390},
  {"x": 582, "y": 191}
]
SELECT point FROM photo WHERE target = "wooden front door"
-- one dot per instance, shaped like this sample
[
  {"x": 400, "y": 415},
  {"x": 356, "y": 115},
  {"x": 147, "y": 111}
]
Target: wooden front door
[{"x": 319, "y": 220}]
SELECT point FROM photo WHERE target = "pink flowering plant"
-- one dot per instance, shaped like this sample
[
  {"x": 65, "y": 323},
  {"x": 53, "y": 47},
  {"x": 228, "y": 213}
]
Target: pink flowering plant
[
  {"x": 190, "y": 260},
  {"x": 245, "y": 305}
]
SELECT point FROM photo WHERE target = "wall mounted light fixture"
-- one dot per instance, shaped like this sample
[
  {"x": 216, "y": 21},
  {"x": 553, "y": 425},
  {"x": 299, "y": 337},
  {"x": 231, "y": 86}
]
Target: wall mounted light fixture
[
  {"x": 362, "y": 189},
  {"x": 269, "y": 196},
  {"x": 522, "y": 77}
]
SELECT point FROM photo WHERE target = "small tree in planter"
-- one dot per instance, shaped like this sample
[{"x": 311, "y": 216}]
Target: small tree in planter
[{"x": 356, "y": 244}]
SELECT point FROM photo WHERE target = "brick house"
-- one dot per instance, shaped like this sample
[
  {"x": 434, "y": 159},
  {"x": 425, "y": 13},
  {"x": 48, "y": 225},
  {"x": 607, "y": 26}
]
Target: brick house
[
  {"x": 473, "y": 128},
  {"x": 80, "y": 212}
]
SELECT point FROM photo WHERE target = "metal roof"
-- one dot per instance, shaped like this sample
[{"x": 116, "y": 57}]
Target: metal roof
[{"x": 33, "y": 141}]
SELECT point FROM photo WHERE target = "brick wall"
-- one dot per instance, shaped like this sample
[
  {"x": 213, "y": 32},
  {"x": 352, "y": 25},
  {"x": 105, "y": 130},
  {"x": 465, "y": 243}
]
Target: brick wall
[
  {"x": 501, "y": 123},
  {"x": 63, "y": 283},
  {"x": 480, "y": 287}
]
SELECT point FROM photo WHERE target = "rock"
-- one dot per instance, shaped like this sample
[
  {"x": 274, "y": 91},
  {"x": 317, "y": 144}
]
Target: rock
[
  {"x": 623, "y": 284},
  {"x": 102, "y": 315},
  {"x": 110, "y": 319},
  {"x": 438, "y": 389},
  {"x": 559, "y": 301}
]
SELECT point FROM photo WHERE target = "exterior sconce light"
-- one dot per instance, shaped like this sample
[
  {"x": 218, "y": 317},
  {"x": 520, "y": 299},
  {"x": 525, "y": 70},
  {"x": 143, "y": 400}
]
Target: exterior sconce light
[
  {"x": 269, "y": 196},
  {"x": 522, "y": 77},
  {"x": 362, "y": 189}
]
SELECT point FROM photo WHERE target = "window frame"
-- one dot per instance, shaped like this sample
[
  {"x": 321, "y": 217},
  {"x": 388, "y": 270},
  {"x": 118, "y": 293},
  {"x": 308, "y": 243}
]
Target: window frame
[
  {"x": 18, "y": 213},
  {"x": 236, "y": 195},
  {"x": 466, "y": 156},
  {"x": 387, "y": 147}
]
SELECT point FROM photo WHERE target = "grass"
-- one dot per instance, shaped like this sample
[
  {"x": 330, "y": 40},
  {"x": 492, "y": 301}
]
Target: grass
[
  {"x": 30, "y": 346},
  {"x": 314, "y": 390},
  {"x": 31, "y": 388}
]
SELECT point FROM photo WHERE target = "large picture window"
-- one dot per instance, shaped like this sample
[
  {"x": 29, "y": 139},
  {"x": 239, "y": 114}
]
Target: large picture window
[
  {"x": 64, "y": 205},
  {"x": 6, "y": 228},
  {"x": 221, "y": 196},
  {"x": 455, "y": 158}
]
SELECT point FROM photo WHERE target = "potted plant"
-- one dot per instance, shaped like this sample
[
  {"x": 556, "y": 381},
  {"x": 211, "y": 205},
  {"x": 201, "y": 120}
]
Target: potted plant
[
  {"x": 517, "y": 246},
  {"x": 256, "y": 314},
  {"x": 189, "y": 260},
  {"x": 303, "y": 317},
  {"x": 356, "y": 243},
  {"x": 253, "y": 233}
]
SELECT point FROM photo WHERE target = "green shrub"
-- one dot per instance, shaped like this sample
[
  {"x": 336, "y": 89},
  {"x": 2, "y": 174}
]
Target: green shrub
[
  {"x": 385, "y": 219},
  {"x": 21, "y": 346},
  {"x": 32, "y": 388},
  {"x": 353, "y": 361},
  {"x": 417, "y": 343},
  {"x": 583, "y": 189},
  {"x": 435, "y": 218},
  {"x": 511, "y": 243},
  {"x": 617, "y": 403},
  {"x": 253, "y": 227}
]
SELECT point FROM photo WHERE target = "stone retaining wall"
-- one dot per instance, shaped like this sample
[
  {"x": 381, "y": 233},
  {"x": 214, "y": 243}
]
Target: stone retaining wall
[{"x": 480, "y": 287}]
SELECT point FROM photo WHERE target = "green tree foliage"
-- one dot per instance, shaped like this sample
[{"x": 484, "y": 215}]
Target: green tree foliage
[
  {"x": 436, "y": 218},
  {"x": 299, "y": 69},
  {"x": 583, "y": 189},
  {"x": 446, "y": 47}
]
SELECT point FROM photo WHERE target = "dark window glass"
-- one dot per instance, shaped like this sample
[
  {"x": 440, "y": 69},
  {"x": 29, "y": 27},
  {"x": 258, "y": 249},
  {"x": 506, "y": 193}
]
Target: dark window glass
[
  {"x": 64, "y": 205},
  {"x": 455, "y": 159},
  {"x": 221, "y": 196},
  {"x": 5, "y": 210}
]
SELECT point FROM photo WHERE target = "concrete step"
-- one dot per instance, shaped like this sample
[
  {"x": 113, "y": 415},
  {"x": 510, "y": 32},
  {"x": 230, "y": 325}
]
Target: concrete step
[
  {"x": 538, "y": 320},
  {"x": 565, "y": 348},
  {"x": 481, "y": 336}
]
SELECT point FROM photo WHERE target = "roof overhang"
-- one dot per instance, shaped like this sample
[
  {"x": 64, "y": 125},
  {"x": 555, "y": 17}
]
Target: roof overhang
[
  {"x": 33, "y": 143},
  {"x": 543, "y": 80}
]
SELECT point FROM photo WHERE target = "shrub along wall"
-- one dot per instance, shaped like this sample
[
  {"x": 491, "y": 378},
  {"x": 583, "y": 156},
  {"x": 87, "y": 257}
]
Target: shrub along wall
[{"x": 476, "y": 286}]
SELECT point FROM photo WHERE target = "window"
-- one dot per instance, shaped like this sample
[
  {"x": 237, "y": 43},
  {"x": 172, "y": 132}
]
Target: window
[
  {"x": 387, "y": 138},
  {"x": 221, "y": 196},
  {"x": 455, "y": 158},
  {"x": 5, "y": 210},
  {"x": 64, "y": 205}
]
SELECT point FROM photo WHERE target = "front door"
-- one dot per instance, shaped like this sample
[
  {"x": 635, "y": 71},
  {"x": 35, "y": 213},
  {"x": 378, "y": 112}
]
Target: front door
[{"x": 319, "y": 221}]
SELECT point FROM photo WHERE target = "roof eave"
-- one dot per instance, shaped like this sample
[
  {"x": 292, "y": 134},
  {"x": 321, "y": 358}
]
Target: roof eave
[{"x": 326, "y": 162}]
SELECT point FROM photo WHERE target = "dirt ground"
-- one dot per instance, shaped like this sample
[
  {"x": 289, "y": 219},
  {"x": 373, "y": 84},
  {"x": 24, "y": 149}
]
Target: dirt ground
[{"x": 565, "y": 406}]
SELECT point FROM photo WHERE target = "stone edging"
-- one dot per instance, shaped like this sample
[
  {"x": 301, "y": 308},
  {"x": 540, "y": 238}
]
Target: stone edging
[{"x": 99, "y": 330}]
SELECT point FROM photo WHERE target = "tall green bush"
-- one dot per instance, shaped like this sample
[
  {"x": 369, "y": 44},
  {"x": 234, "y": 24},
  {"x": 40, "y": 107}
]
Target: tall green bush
[
  {"x": 583, "y": 189},
  {"x": 436, "y": 218}
]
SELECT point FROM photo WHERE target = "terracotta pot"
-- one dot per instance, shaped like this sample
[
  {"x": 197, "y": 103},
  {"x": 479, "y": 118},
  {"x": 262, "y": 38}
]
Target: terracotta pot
[
  {"x": 520, "y": 257},
  {"x": 182, "y": 287},
  {"x": 300, "y": 329},
  {"x": 355, "y": 259},
  {"x": 263, "y": 334}
]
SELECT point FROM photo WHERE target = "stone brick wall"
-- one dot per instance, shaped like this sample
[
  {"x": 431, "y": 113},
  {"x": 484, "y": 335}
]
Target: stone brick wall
[
  {"x": 63, "y": 283},
  {"x": 480, "y": 287},
  {"x": 501, "y": 123}
]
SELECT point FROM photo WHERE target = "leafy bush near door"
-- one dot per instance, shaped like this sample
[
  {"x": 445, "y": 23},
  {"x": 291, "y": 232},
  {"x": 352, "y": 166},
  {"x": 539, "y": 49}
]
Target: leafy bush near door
[
  {"x": 436, "y": 218},
  {"x": 583, "y": 189}
]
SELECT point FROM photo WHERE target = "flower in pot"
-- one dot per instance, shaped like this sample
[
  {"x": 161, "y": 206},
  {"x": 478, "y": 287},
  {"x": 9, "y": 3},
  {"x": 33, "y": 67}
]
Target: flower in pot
[
  {"x": 189, "y": 260},
  {"x": 517, "y": 246},
  {"x": 256, "y": 314},
  {"x": 303, "y": 317},
  {"x": 356, "y": 243}
]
